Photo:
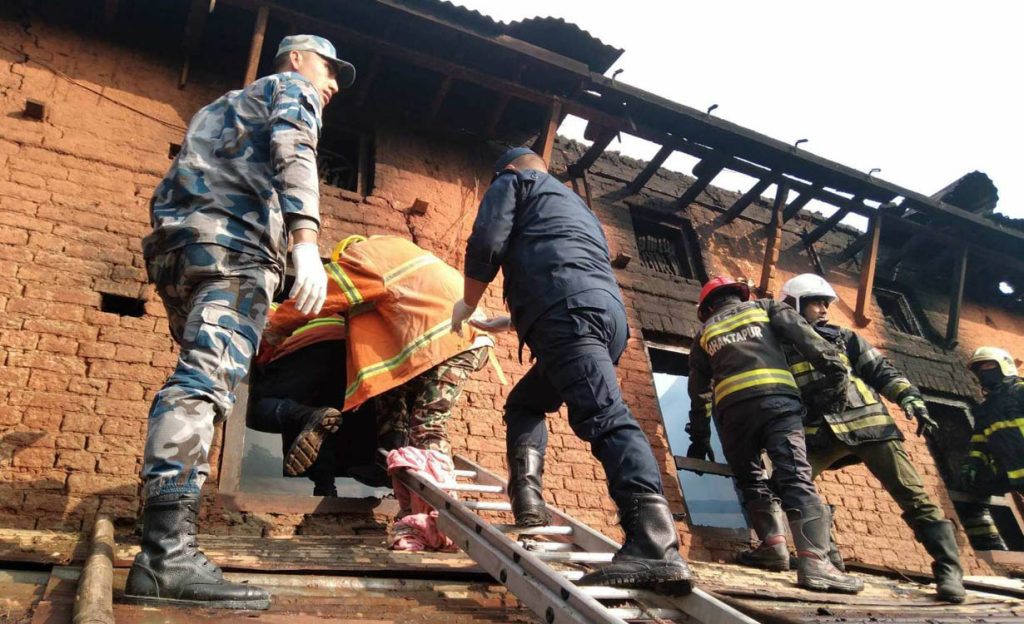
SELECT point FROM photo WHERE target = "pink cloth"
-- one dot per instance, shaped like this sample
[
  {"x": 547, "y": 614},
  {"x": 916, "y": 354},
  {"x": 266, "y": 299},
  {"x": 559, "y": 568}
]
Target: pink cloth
[{"x": 418, "y": 529}]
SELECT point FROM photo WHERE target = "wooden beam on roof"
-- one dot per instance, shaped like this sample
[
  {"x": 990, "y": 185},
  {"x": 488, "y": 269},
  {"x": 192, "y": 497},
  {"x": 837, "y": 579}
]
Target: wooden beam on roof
[
  {"x": 801, "y": 200},
  {"x": 497, "y": 113},
  {"x": 705, "y": 170},
  {"x": 772, "y": 243},
  {"x": 815, "y": 235},
  {"x": 956, "y": 296},
  {"x": 195, "y": 23},
  {"x": 366, "y": 81},
  {"x": 648, "y": 172},
  {"x": 601, "y": 141},
  {"x": 259, "y": 31},
  {"x": 744, "y": 201},
  {"x": 867, "y": 272},
  {"x": 439, "y": 95},
  {"x": 546, "y": 141}
]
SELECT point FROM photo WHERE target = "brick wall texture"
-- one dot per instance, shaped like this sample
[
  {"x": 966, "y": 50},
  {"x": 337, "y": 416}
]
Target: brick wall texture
[{"x": 76, "y": 382}]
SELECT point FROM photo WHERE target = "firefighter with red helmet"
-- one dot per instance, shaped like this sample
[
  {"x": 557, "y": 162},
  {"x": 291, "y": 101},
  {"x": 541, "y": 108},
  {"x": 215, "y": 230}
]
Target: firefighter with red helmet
[{"x": 738, "y": 368}]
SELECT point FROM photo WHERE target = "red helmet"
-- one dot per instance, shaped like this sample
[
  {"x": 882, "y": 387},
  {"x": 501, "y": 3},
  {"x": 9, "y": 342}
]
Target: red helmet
[{"x": 717, "y": 285}]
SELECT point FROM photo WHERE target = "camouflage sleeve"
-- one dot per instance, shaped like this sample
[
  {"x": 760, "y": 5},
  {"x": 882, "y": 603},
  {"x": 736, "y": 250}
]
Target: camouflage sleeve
[
  {"x": 876, "y": 370},
  {"x": 699, "y": 388},
  {"x": 294, "y": 132}
]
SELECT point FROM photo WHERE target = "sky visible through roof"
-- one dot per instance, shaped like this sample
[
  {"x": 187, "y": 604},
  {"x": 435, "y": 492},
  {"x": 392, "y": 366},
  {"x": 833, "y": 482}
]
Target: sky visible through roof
[{"x": 924, "y": 91}]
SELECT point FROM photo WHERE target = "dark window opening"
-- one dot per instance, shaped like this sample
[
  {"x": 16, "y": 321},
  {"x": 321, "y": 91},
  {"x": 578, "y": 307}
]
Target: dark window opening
[
  {"x": 712, "y": 500},
  {"x": 121, "y": 305},
  {"x": 668, "y": 249},
  {"x": 897, "y": 312},
  {"x": 345, "y": 160},
  {"x": 949, "y": 447}
]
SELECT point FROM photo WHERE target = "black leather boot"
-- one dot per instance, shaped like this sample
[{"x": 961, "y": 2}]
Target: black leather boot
[
  {"x": 171, "y": 570},
  {"x": 939, "y": 540},
  {"x": 834, "y": 556},
  {"x": 770, "y": 525},
  {"x": 650, "y": 557},
  {"x": 810, "y": 527},
  {"x": 525, "y": 489},
  {"x": 317, "y": 424},
  {"x": 981, "y": 528}
]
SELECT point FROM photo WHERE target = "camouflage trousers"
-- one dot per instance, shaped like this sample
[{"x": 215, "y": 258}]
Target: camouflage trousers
[
  {"x": 217, "y": 302},
  {"x": 417, "y": 412}
]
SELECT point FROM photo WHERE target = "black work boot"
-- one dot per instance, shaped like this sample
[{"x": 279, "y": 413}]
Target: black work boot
[
  {"x": 317, "y": 424},
  {"x": 525, "y": 492},
  {"x": 939, "y": 540},
  {"x": 650, "y": 557},
  {"x": 810, "y": 527},
  {"x": 770, "y": 525},
  {"x": 981, "y": 528},
  {"x": 171, "y": 570},
  {"x": 834, "y": 556}
]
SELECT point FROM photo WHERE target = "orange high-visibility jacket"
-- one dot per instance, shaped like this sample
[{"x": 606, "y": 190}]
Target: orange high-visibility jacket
[
  {"x": 397, "y": 299},
  {"x": 319, "y": 329}
]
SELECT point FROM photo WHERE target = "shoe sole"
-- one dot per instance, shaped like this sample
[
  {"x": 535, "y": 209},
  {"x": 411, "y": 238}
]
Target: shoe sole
[
  {"x": 533, "y": 519},
  {"x": 825, "y": 586},
  {"x": 679, "y": 586},
  {"x": 782, "y": 566},
  {"x": 238, "y": 605},
  {"x": 306, "y": 447}
]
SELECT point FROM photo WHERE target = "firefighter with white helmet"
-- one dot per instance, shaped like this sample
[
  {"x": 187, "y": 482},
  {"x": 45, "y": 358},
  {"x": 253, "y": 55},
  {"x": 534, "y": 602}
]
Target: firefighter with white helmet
[
  {"x": 865, "y": 432},
  {"x": 995, "y": 463}
]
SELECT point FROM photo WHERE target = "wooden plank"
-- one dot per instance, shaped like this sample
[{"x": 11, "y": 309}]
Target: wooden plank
[
  {"x": 546, "y": 140},
  {"x": 497, "y": 113},
  {"x": 705, "y": 170},
  {"x": 822, "y": 228},
  {"x": 650, "y": 169},
  {"x": 700, "y": 465},
  {"x": 259, "y": 31},
  {"x": 772, "y": 243},
  {"x": 867, "y": 273},
  {"x": 745, "y": 200},
  {"x": 439, "y": 95},
  {"x": 604, "y": 138},
  {"x": 801, "y": 200},
  {"x": 956, "y": 295}
]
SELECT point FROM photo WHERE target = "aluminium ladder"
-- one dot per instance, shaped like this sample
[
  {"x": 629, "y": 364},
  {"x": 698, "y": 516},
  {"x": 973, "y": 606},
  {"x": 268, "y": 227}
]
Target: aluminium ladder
[{"x": 522, "y": 565}]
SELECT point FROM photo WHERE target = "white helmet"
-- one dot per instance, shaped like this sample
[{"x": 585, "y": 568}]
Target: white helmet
[
  {"x": 997, "y": 355},
  {"x": 807, "y": 285}
]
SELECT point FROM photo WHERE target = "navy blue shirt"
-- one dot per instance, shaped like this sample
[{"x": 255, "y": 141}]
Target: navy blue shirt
[{"x": 546, "y": 241}]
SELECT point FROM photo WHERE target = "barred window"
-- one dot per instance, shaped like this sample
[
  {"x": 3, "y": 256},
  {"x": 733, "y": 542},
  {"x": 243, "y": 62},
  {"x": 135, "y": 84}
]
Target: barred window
[
  {"x": 668, "y": 249},
  {"x": 897, "y": 311}
]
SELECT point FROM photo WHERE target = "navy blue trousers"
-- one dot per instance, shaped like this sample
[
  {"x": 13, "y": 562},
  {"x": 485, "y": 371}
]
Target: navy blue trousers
[{"x": 576, "y": 345}]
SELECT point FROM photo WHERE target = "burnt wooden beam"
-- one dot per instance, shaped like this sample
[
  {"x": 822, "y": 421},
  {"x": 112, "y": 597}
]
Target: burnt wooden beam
[
  {"x": 546, "y": 141},
  {"x": 439, "y": 96},
  {"x": 259, "y": 31},
  {"x": 867, "y": 272},
  {"x": 497, "y": 113},
  {"x": 956, "y": 296},
  {"x": 744, "y": 201},
  {"x": 702, "y": 466},
  {"x": 801, "y": 200},
  {"x": 773, "y": 240},
  {"x": 705, "y": 170},
  {"x": 195, "y": 22},
  {"x": 601, "y": 141},
  {"x": 833, "y": 220},
  {"x": 648, "y": 172}
]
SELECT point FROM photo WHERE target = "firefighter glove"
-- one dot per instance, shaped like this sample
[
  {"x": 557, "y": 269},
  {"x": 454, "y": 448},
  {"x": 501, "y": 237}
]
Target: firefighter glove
[
  {"x": 310, "y": 288},
  {"x": 914, "y": 407},
  {"x": 460, "y": 314},
  {"x": 701, "y": 450},
  {"x": 494, "y": 325}
]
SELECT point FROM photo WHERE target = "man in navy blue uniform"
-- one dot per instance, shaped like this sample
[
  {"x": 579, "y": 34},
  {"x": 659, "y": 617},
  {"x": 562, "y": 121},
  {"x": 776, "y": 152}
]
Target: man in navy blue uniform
[{"x": 566, "y": 306}]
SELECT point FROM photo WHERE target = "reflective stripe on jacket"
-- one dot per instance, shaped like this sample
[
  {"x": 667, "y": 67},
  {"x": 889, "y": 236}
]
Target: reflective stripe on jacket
[
  {"x": 997, "y": 442},
  {"x": 738, "y": 355},
  {"x": 866, "y": 418},
  {"x": 319, "y": 329}
]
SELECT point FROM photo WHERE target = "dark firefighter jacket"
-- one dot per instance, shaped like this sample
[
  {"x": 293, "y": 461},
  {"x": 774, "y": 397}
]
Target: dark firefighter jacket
[
  {"x": 738, "y": 355},
  {"x": 865, "y": 418},
  {"x": 997, "y": 442}
]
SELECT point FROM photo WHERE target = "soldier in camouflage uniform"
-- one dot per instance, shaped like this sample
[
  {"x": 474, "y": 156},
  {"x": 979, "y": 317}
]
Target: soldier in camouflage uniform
[{"x": 244, "y": 181}]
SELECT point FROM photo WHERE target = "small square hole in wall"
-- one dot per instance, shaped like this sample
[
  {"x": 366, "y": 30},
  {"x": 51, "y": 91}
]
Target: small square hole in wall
[
  {"x": 121, "y": 305},
  {"x": 172, "y": 150},
  {"x": 34, "y": 109}
]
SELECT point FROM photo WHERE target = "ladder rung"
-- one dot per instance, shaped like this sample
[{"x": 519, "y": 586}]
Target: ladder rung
[
  {"x": 468, "y": 474},
  {"x": 602, "y": 592},
  {"x": 576, "y": 557},
  {"x": 541, "y": 530},
  {"x": 488, "y": 505},
  {"x": 572, "y": 575},
  {"x": 473, "y": 487},
  {"x": 535, "y": 546},
  {"x": 631, "y": 613}
]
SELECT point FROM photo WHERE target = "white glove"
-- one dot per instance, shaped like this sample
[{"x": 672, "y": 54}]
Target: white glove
[
  {"x": 310, "y": 288},
  {"x": 460, "y": 314},
  {"x": 494, "y": 325}
]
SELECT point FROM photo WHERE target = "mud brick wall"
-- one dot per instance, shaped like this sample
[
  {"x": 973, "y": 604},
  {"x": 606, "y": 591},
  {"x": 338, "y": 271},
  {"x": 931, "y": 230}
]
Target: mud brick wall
[{"x": 76, "y": 381}]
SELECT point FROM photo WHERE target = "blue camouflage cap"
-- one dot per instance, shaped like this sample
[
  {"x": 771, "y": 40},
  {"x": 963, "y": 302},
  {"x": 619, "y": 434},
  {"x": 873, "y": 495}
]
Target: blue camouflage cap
[{"x": 312, "y": 43}]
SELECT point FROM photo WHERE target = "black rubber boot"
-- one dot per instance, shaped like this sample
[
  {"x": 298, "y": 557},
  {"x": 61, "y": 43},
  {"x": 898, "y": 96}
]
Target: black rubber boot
[
  {"x": 170, "y": 570},
  {"x": 939, "y": 540},
  {"x": 834, "y": 556},
  {"x": 981, "y": 528},
  {"x": 526, "y": 472},
  {"x": 317, "y": 424},
  {"x": 810, "y": 527},
  {"x": 770, "y": 525},
  {"x": 650, "y": 557}
]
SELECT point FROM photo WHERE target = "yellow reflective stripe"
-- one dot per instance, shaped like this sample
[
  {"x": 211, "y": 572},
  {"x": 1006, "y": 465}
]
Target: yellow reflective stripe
[
  {"x": 981, "y": 529},
  {"x": 1016, "y": 474},
  {"x": 979, "y": 437},
  {"x": 707, "y": 409},
  {"x": 322, "y": 322},
  {"x": 862, "y": 423},
  {"x": 343, "y": 282},
  {"x": 862, "y": 388},
  {"x": 983, "y": 456},
  {"x": 801, "y": 367},
  {"x": 749, "y": 379},
  {"x": 1004, "y": 424},
  {"x": 755, "y": 315},
  {"x": 811, "y": 430},
  {"x": 397, "y": 360},
  {"x": 408, "y": 267}
]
